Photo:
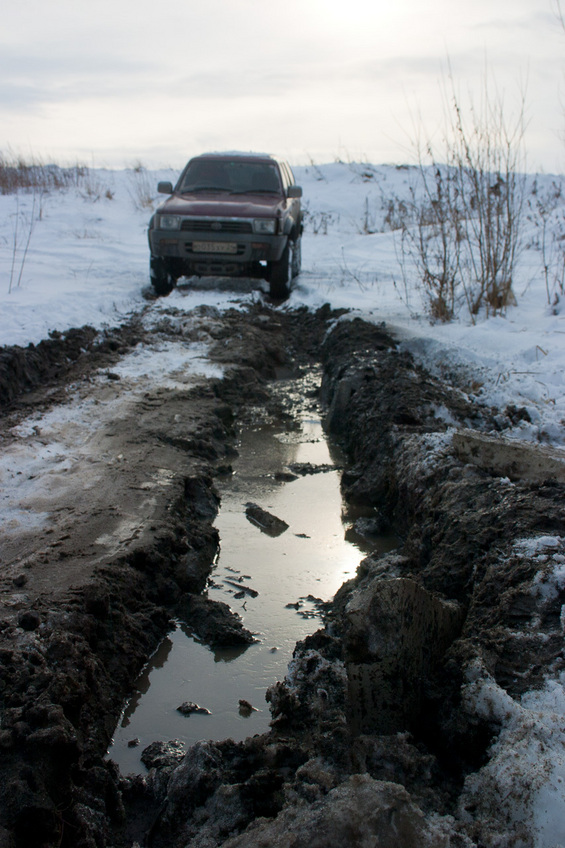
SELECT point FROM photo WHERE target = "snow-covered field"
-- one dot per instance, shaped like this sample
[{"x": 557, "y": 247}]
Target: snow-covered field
[{"x": 79, "y": 256}]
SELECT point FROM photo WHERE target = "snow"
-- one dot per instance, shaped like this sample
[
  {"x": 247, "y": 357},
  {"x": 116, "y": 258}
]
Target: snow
[
  {"x": 171, "y": 362},
  {"x": 548, "y": 551},
  {"x": 87, "y": 257},
  {"x": 79, "y": 256},
  {"x": 523, "y": 782}
]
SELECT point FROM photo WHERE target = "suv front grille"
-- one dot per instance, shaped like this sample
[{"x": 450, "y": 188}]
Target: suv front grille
[{"x": 209, "y": 225}]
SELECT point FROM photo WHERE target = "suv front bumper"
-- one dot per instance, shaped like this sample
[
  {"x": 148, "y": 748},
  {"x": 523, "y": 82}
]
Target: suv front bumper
[{"x": 195, "y": 247}]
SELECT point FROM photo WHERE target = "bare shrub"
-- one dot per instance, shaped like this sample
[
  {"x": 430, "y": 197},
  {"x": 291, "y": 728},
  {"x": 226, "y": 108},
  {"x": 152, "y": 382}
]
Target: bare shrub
[
  {"x": 396, "y": 212},
  {"x": 141, "y": 188},
  {"x": 546, "y": 211},
  {"x": 92, "y": 187},
  {"x": 488, "y": 153},
  {"x": 432, "y": 235},
  {"x": 369, "y": 220},
  {"x": 318, "y": 173},
  {"x": 26, "y": 223},
  {"x": 461, "y": 227},
  {"x": 318, "y": 222}
]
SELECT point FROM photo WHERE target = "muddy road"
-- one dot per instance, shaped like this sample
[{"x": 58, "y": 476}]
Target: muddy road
[{"x": 381, "y": 731}]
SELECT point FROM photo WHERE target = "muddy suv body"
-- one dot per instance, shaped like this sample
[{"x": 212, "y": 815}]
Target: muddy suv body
[{"x": 228, "y": 215}]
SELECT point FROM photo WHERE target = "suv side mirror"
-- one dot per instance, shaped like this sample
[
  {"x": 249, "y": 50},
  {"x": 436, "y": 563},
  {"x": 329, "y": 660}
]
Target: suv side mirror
[
  {"x": 294, "y": 191},
  {"x": 165, "y": 188}
]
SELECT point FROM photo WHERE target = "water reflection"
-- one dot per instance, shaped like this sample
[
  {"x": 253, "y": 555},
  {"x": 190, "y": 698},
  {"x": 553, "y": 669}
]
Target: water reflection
[
  {"x": 277, "y": 584},
  {"x": 228, "y": 655},
  {"x": 158, "y": 660}
]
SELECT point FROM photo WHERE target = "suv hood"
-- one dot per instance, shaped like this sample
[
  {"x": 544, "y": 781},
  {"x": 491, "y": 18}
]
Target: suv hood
[{"x": 217, "y": 205}]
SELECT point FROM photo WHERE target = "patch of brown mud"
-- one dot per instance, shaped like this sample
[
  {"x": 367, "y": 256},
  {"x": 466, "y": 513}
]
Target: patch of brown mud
[
  {"x": 112, "y": 502},
  {"x": 94, "y": 480},
  {"x": 86, "y": 598}
]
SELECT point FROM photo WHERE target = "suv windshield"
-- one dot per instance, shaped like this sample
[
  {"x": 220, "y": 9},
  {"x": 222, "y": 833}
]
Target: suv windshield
[{"x": 232, "y": 176}]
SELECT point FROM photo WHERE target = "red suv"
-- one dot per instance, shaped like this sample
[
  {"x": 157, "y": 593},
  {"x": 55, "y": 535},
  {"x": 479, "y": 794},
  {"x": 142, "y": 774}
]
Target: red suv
[{"x": 230, "y": 214}]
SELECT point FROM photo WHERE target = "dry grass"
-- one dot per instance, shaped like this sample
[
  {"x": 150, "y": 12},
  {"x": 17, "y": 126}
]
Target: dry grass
[
  {"x": 19, "y": 174},
  {"x": 141, "y": 187}
]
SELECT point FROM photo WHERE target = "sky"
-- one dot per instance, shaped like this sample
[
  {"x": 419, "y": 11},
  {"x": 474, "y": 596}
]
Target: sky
[{"x": 117, "y": 82}]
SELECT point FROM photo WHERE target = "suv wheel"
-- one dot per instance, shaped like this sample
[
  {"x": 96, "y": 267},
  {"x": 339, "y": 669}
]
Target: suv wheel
[
  {"x": 281, "y": 273},
  {"x": 162, "y": 280}
]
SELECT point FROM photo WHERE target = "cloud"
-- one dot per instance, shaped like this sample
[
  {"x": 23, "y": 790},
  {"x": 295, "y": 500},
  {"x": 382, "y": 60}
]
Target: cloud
[
  {"x": 33, "y": 80},
  {"x": 224, "y": 72},
  {"x": 527, "y": 23}
]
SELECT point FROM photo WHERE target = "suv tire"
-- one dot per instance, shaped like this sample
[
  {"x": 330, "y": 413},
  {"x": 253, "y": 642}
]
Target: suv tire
[
  {"x": 162, "y": 280},
  {"x": 285, "y": 269},
  {"x": 280, "y": 275}
]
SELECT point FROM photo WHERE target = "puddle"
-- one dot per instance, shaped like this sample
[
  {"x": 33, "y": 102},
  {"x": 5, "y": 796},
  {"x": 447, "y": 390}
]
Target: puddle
[{"x": 280, "y": 577}]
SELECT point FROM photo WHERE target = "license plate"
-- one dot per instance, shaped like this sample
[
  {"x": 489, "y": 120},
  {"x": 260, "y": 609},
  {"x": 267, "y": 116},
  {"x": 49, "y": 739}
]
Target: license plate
[{"x": 214, "y": 247}]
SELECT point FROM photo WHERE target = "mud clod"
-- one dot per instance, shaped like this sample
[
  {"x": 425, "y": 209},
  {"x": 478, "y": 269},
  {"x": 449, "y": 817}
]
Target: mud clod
[
  {"x": 188, "y": 708},
  {"x": 395, "y": 633},
  {"x": 245, "y": 708},
  {"x": 265, "y": 521},
  {"x": 213, "y": 622},
  {"x": 160, "y": 755},
  {"x": 29, "y": 620}
]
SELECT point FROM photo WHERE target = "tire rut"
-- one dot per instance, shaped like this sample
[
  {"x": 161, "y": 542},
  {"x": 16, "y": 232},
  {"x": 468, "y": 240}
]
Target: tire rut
[{"x": 374, "y": 712}]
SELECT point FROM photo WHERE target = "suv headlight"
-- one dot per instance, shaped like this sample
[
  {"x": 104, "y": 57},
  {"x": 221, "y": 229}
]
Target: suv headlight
[
  {"x": 267, "y": 226},
  {"x": 169, "y": 222}
]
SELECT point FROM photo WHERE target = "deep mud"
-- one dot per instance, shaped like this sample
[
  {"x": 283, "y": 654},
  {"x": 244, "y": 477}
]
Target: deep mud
[
  {"x": 60, "y": 358},
  {"x": 373, "y": 740}
]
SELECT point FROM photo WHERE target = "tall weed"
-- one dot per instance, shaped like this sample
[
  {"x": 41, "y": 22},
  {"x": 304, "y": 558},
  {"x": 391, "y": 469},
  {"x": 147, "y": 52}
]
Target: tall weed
[
  {"x": 461, "y": 228},
  {"x": 546, "y": 211}
]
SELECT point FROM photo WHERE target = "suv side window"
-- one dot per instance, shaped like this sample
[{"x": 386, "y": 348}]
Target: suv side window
[
  {"x": 284, "y": 176},
  {"x": 288, "y": 174}
]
